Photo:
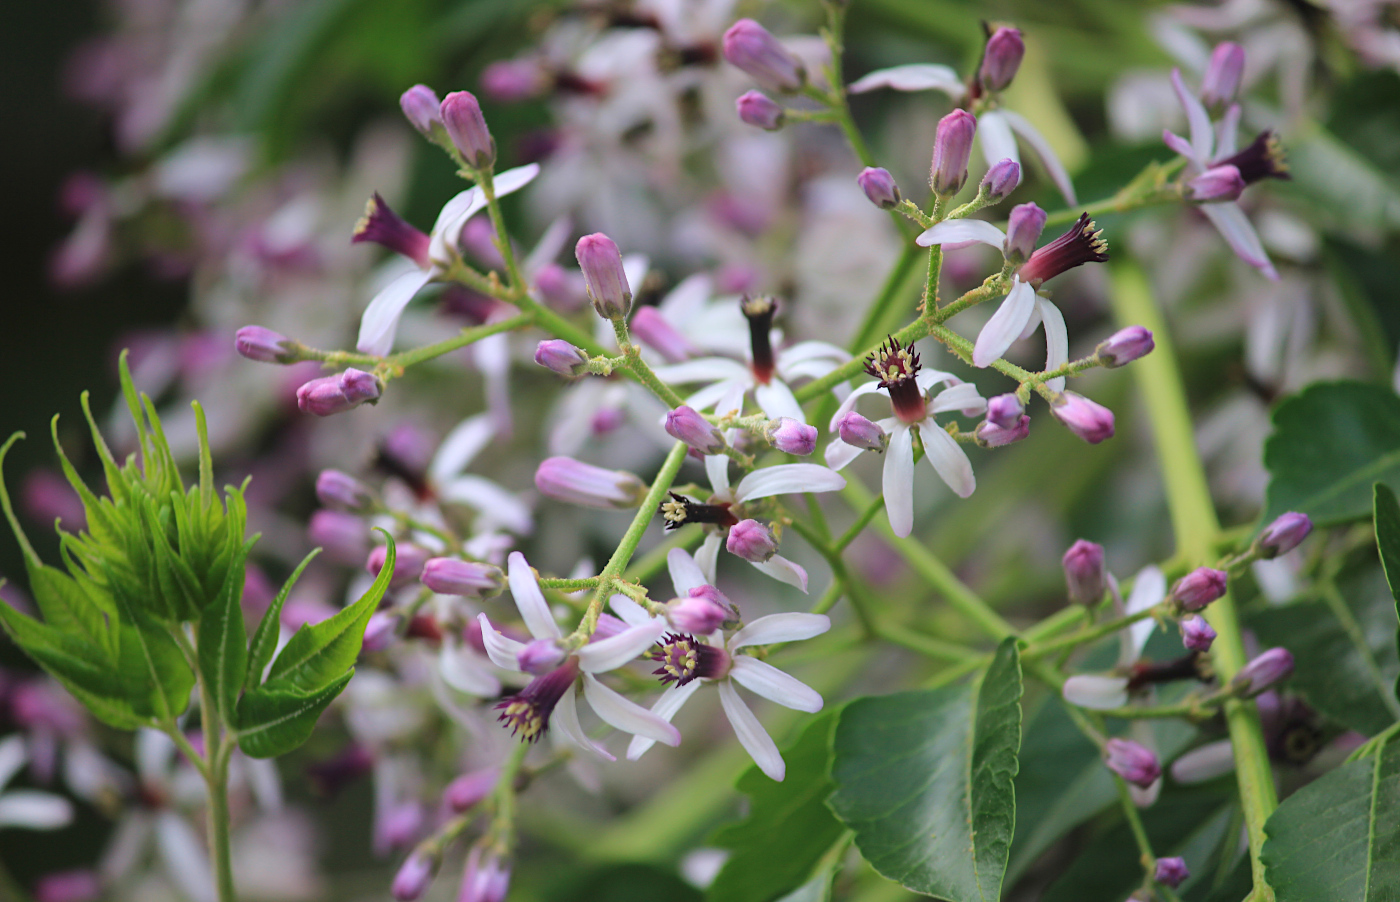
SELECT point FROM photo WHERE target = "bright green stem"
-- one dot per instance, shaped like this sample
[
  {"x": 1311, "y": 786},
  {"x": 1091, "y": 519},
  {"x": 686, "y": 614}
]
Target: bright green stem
[
  {"x": 486, "y": 179},
  {"x": 407, "y": 359},
  {"x": 216, "y": 779},
  {"x": 1081, "y": 637},
  {"x": 639, "y": 368},
  {"x": 1196, "y": 527}
]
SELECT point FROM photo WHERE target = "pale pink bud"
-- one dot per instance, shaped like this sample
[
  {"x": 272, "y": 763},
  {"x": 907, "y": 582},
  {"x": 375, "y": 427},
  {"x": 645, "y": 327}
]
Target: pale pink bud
[
  {"x": 1133, "y": 762},
  {"x": 750, "y": 47},
  {"x": 561, "y": 357},
  {"x": 342, "y": 491},
  {"x": 336, "y": 394},
  {"x": 1125, "y": 346},
  {"x": 360, "y": 386},
  {"x": 574, "y": 482},
  {"x": 1004, "y": 411},
  {"x": 1086, "y": 419},
  {"x": 879, "y": 187},
  {"x": 461, "y": 116},
  {"x": 651, "y": 329},
  {"x": 792, "y": 437},
  {"x": 756, "y": 109},
  {"x": 1272, "y": 666},
  {"x": 421, "y": 108},
  {"x": 486, "y": 879},
  {"x": 1000, "y": 180},
  {"x": 1001, "y": 59},
  {"x": 990, "y": 435},
  {"x": 263, "y": 345},
  {"x": 408, "y": 562},
  {"x": 695, "y": 614},
  {"x": 450, "y": 576},
  {"x": 345, "y": 537},
  {"x": 1199, "y": 588},
  {"x": 1023, "y": 230},
  {"x": 952, "y": 147},
  {"x": 1172, "y": 871},
  {"x": 414, "y": 876},
  {"x": 1219, "y": 184},
  {"x": 1223, "y": 73},
  {"x": 1196, "y": 634},
  {"x": 1283, "y": 535},
  {"x": 470, "y": 789},
  {"x": 752, "y": 541},
  {"x": 604, "y": 278},
  {"x": 1085, "y": 576},
  {"x": 857, "y": 431},
  {"x": 687, "y": 425}
]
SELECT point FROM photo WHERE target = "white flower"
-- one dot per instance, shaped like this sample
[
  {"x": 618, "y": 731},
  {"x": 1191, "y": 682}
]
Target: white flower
[{"x": 1102, "y": 691}]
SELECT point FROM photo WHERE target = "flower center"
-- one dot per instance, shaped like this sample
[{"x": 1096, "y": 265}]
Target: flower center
[
  {"x": 759, "y": 312},
  {"x": 679, "y": 511},
  {"x": 896, "y": 367},
  {"x": 684, "y": 658},
  {"x": 1083, "y": 243},
  {"x": 1262, "y": 159},
  {"x": 527, "y": 712}
]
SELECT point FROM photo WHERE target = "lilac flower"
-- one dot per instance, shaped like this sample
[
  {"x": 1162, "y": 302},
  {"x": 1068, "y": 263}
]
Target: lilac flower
[
  {"x": 561, "y": 357},
  {"x": 1000, "y": 180},
  {"x": 952, "y": 146},
  {"x": 1125, "y": 346},
  {"x": 1263, "y": 671},
  {"x": 792, "y": 437},
  {"x": 1084, "y": 572},
  {"x": 330, "y": 395},
  {"x": 1001, "y": 58},
  {"x": 687, "y": 425},
  {"x": 1196, "y": 634},
  {"x": 486, "y": 877},
  {"x": 1087, "y": 419},
  {"x": 752, "y": 541},
  {"x": 899, "y": 372},
  {"x": 1199, "y": 588},
  {"x": 461, "y": 116},
  {"x": 575, "y": 482},
  {"x": 414, "y": 877},
  {"x": 341, "y": 491},
  {"x": 263, "y": 345}
]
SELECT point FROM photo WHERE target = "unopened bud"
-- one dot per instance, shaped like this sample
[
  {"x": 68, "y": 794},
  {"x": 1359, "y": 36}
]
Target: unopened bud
[
  {"x": 1133, "y": 762},
  {"x": 450, "y": 576},
  {"x": 990, "y": 435},
  {"x": 336, "y": 394},
  {"x": 1000, "y": 180},
  {"x": 651, "y": 329},
  {"x": 510, "y": 81},
  {"x": 1223, "y": 74},
  {"x": 604, "y": 278},
  {"x": 1125, "y": 346},
  {"x": 470, "y": 789},
  {"x": 1283, "y": 535},
  {"x": 575, "y": 482},
  {"x": 686, "y": 424},
  {"x": 1004, "y": 411},
  {"x": 696, "y": 614},
  {"x": 563, "y": 358},
  {"x": 408, "y": 563},
  {"x": 380, "y": 630},
  {"x": 342, "y": 491},
  {"x": 461, "y": 116},
  {"x": 486, "y": 878},
  {"x": 859, "y": 432},
  {"x": 1001, "y": 59},
  {"x": 1197, "y": 589},
  {"x": 263, "y": 345},
  {"x": 1268, "y": 668},
  {"x": 1219, "y": 184},
  {"x": 1084, "y": 572},
  {"x": 1171, "y": 871},
  {"x": 750, "y": 47},
  {"x": 1090, "y": 421},
  {"x": 1196, "y": 634},
  {"x": 792, "y": 437},
  {"x": 423, "y": 110},
  {"x": 757, "y": 109},
  {"x": 1023, "y": 230},
  {"x": 952, "y": 147},
  {"x": 414, "y": 876},
  {"x": 752, "y": 541},
  {"x": 879, "y": 186}
]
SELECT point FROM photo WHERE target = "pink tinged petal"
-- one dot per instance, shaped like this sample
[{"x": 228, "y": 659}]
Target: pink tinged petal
[
  {"x": 1197, "y": 120},
  {"x": 126, "y": 846},
  {"x": 534, "y": 610},
  {"x": 1178, "y": 144},
  {"x": 777, "y": 400},
  {"x": 948, "y": 459},
  {"x": 463, "y": 670},
  {"x": 707, "y": 557},
  {"x": 811, "y": 350},
  {"x": 381, "y": 318},
  {"x": 565, "y": 717},
  {"x": 1149, "y": 587},
  {"x": 1235, "y": 228},
  {"x": 706, "y": 369},
  {"x": 494, "y": 503},
  {"x": 751, "y": 734},
  {"x": 1096, "y": 692},
  {"x": 1056, "y": 341},
  {"x": 1226, "y": 132},
  {"x": 860, "y": 391},
  {"x": 184, "y": 856},
  {"x": 1145, "y": 798},
  {"x": 962, "y": 231},
  {"x": 612, "y": 653},
  {"x": 500, "y": 649},
  {"x": 1214, "y": 759},
  {"x": 897, "y": 481},
  {"x": 788, "y": 478},
  {"x": 913, "y": 77},
  {"x": 685, "y": 573},
  {"x": 768, "y": 681},
  {"x": 462, "y": 206},
  {"x": 958, "y": 397},
  {"x": 628, "y": 716},
  {"x": 32, "y": 809},
  {"x": 839, "y": 454},
  {"x": 998, "y": 141},
  {"x": 784, "y": 571},
  {"x": 790, "y": 627},
  {"x": 927, "y": 379},
  {"x": 665, "y": 708},
  {"x": 1045, "y": 152},
  {"x": 628, "y": 611},
  {"x": 461, "y": 446},
  {"x": 1005, "y": 325}
]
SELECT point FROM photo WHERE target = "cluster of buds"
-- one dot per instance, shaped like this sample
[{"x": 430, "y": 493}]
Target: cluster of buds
[
  {"x": 750, "y": 47},
  {"x": 330, "y": 395}
]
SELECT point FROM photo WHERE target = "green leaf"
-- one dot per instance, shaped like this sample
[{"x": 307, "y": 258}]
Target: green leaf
[
  {"x": 273, "y": 721},
  {"x": 1388, "y": 544},
  {"x": 1338, "y": 838},
  {"x": 925, "y": 779},
  {"x": 223, "y": 641},
  {"x": 1331, "y": 443},
  {"x": 154, "y": 675},
  {"x": 788, "y": 829},
  {"x": 319, "y": 653},
  {"x": 265, "y": 636}
]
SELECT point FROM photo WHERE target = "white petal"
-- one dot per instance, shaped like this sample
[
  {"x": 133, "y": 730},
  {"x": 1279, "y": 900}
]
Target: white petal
[
  {"x": 126, "y": 846},
  {"x": 1178, "y": 144},
  {"x": 962, "y": 231},
  {"x": 626, "y": 715},
  {"x": 500, "y": 649},
  {"x": 628, "y": 611},
  {"x": 461, "y": 446},
  {"x": 685, "y": 573},
  {"x": 897, "y": 481},
  {"x": 264, "y": 781},
  {"x": 464, "y": 670},
  {"x": 495, "y": 505},
  {"x": 1225, "y": 132},
  {"x": 12, "y": 757},
  {"x": 1149, "y": 587},
  {"x": 184, "y": 857},
  {"x": 751, "y": 734},
  {"x": 534, "y": 610},
  {"x": 949, "y": 459},
  {"x": 717, "y": 469},
  {"x": 811, "y": 350},
  {"x": 1235, "y": 228},
  {"x": 634, "y": 267},
  {"x": 565, "y": 717},
  {"x": 613, "y": 652},
  {"x": 731, "y": 399},
  {"x": 787, "y": 478},
  {"x": 839, "y": 454},
  {"x": 1005, "y": 325},
  {"x": 768, "y": 681},
  {"x": 154, "y": 752},
  {"x": 1197, "y": 119},
  {"x": 665, "y": 708},
  {"x": 457, "y": 205},
  {"x": 1031, "y": 324},
  {"x": 706, "y": 369},
  {"x": 1056, "y": 341},
  {"x": 33, "y": 809},
  {"x": 381, "y": 317},
  {"x": 913, "y": 77},
  {"x": 927, "y": 379},
  {"x": 447, "y": 231},
  {"x": 1095, "y": 691},
  {"x": 1214, "y": 759},
  {"x": 784, "y": 571},
  {"x": 777, "y": 400},
  {"x": 1144, "y": 798},
  {"x": 707, "y": 556},
  {"x": 1042, "y": 149},
  {"x": 958, "y": 397},
  {"x": 849, "y": 404},
  {"x": 998, "y": 141},
  {"x": 789, "y": 627}
]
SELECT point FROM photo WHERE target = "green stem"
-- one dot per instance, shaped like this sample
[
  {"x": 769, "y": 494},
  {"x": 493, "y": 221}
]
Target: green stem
[
  {"x": 1084, "y": 636},
  {"x": 407, "y": 359},
  {"x": 216, "y": 779},
  {"x": 850, "y": 535},
  {"x": 856, "y": 365},
  {"x": 639, "y": 368}
]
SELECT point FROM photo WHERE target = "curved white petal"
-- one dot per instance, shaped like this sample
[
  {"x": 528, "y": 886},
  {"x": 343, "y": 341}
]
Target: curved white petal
[
  {"x": 1145, "y": 798},
  {"x": 565, "y": 717},
  {"x": 1056, "y": 341},
  {"x": 707, "y": 556},
  {"x": 494, "y": 504},
  {"x": 628, "y": 611},
  {"x": 33, "y": 809},
  {"x": 949, "y": 459},
  {"x": 838, "y": 454},
  {"x": 381, "y": 318},
  {"x": 1031, "y": 324},
  {"x": 461, "y": 446},
  {"x": 634, "y": 267},
  {"x": 806, "y": 369},
  {"x": 534, "y": 610},
  {"x": 685, "y": 573},
  {"x": 625, "y": 715},
  {"x": 722, "y": 396},
  {"x": 1226, "y": 131},
  {"x": 1237, "y": 231},
  {"x": 1095, "y": 691},
  {"x": 1214, "y": 759},
  {"x": 1197, "y": 119},
  {"x": 185, "y": 859},
  {"x": 731, "y": 400},
  {"x": 787, "y": 478},
  {"x": 613, "y": 652},
  {"x": 897, "y": 481},
  {"x": 1047, "y": 155},
  {"x": 12, "y": 757},
  {"x": 706, "y": 369},
  {"x": 860, "y": 391},
  {"x": 784, "y": 571},
  {"x": 768, "y": 681},
  {"x": 998, "y": 141},
  {"x": 913, "y": 77},
  {"x": 1005, "y": 325},
  {"x": 1177, "y": 143},
  {"x": 777, "y": 400},
  {"x": 751, "y": 734},
  {"x": 958, "y": 397},
  {"x": 447, "y": 231},
  {"x": 665, "y": 708},
  {"x": 962, "y": 231},
  {"x": 717, "y": 469},
  {"x": 464, "y": 670},
  {"x": 811, "y": 350},
  {"x": 927, "y": 379},
  {"x": 500, "y": 649},
  {"x": 456, "y": 205},
  {"x": 788, "y": 627},
  {"x": 1149, "y": 587}
]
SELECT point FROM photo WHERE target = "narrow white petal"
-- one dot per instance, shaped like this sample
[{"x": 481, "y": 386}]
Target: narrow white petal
[
  {"x": 33, "y": 809},
  {"x": 962, "y": 231},
  {"x": 1005, "y": 325},
  {"x": 458, "y": 204},
  {"x": 751, "y": 734},
  {"x": 461, "y": 446},
  {"x": 1047, "y": 155},
  {"x": 1145, "y": 798},
  {"x": 1149, "y": 587},
  {"x": 806, "y": 369},
  {"x": 839, "y": 454},
  {"x": 1095, "y": 691},
  {"x": 811, "y": 350},
  {"x": 154, "y": 752},
  {"x": 185, "y": 859},
  {"x": 628, "y": 611},
  {"x": 634, "y": 267},
  {"x": 997, "y": 139},
  {"x": 464, "y": 670},
  {"x": 381, "y": 318},
  {"x": 897, "y": 481},
  {"x": 1214, "y": 759},
  {"x": 849, "y": 404},
  {"x": 685, "y": 573},
  {"x": 787, "y": 478},
  {"x": 494, "y": 504},
  {"x": 1056, "y": 341},
  {"x": 927, "y": 379},
  {"x": 613, "y": 652},
  {"x": 1197, "y": 119},
  {"x": 265, "y": 782},
  {"x": 1031, "y": 324},
  {"x": 777, "y": 400},
  {"x": 1180, "y": 145},
  {"x": 784, "y": 571},
  {"x": 665, "y": 708},
  {"x": 512, "y": 180},
  {"x": 12, "y": 757},
  {"x": 913, "y": 77},
  {"x": 534, "y": 610},
  {"x": 707, "y": 556},
  {"x": 706, "y": 369},
  {"x": 625, "y": 715},
  {"x": 731, "y": 399},
  {"x": 565, "y": 717},
  {"x": 717, "y": 470},
  {"x": 1235, "y": 228},
  {"x": 768, "y": 681},
  {"x": 949, "y": 459},
  {"x": 789, "y": 627},
  {"x": 1226, "y": 131},
  {"x": 959, "y": 397},
  {"x": 500, "y": 649}
]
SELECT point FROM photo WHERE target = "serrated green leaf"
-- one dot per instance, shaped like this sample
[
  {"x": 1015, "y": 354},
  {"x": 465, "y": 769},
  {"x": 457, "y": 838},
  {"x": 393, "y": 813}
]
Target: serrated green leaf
[
  {"x": 1387, "y": 513},
  {"x": 1338, "y": 838},
  {"x": 320, "y": 652},
  {"x": 925, "y": 779},
  {"x": 273, "y": 721},
  {"x": 155, "y": 677},
  {"x": 788, "y": 829},
  {"x": 265, "y": 636},
  {"x": 1331, "y": 443},
  {"x": 223, "y": 641}
]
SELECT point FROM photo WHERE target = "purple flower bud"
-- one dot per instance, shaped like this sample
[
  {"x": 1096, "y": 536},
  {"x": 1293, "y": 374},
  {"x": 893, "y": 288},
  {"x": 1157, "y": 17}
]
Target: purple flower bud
[
  {"x": 756, "y": 109},
  {"x": 1086, "y": 419},
  {"x": 511, "y": 81},
  {"x": 1000, "y": 180},
  {"x": 336, "y": 394},
  {"x": 792, "y": 437},
  {"x": 1023, "y": 230},
  {"x": 990, "y": 435},
  {"x": 1196, "y": 634},
  {"x": 1172, "y": 871},
  {"x": 1084, "y": 572},
  {"x": 341, "y": 491},
  {"x": 540, "y": 656},
  {"x": 1283, "y": 535},
  {"x": 421, "y": 108},
  {"x": 1125, "y": 346},
  {"x": 449, "y": 576},
  {"x": 68, "y": 886},
  {"x": 1199, "y": 588},
  {"x": 696, "y": 614},
  {"x": 1004, "y": 411},
  {"x": 1001, "y": 59},
  {"x": 752, "y": 541},
  {"x": 687, "y": 425},
  {"x": 408, "y": 562},
  {"x": 651, "y": 329},
  {"x": 1133, "y": 762},
  {"x": 1223, "y": 73},
  {"x": 879, "y": 187},
  {"x": 379, "y": 631},
  {"x": 603, "y": 276},
  {"x": 486, "y": 879},
  {"x": 1219, "y": 184},
  {"x": 461, "y": 116},
  {"x": 1264, "y": 671},
  {"x": 750, "y": 47},
  {"x": 263, "y": 345},
  {"x": 470, "y": 789},
  {"x": 360, "y": 386},
  {"x": 414, "y": 877},
  {"x": 859, "y": 432},
  {"x": 563, "y": 358},
  {"x": 345, "y": 537},
  {"x": 574, "y": 482},
  {"x": 952, "y": 146}
]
